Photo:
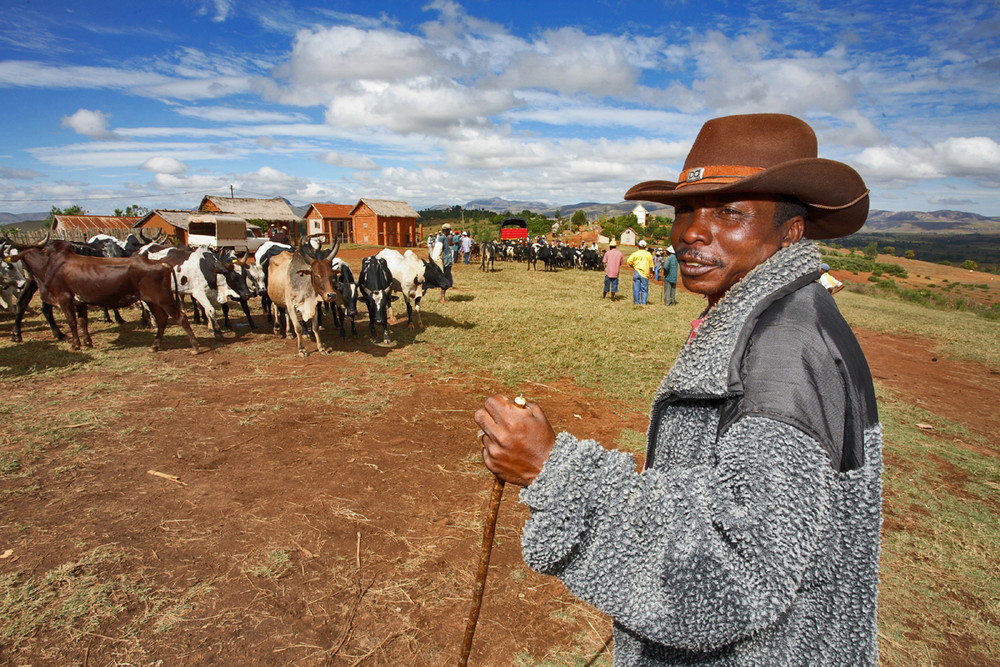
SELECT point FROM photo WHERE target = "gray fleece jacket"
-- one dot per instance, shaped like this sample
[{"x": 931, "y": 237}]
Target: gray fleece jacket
[{"x": 752, "y": 536}]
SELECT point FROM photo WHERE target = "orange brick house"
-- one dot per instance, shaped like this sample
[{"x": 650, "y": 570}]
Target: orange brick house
[
  {"x": 332, "y": 220},
  {"x": 384, "y": 222}
]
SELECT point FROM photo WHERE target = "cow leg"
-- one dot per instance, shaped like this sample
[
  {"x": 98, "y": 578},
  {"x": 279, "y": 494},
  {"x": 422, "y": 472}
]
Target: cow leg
[
  {"x": 107, "y": 316},
  {"x": 246, "y": 311},
  {"x": 176, "y": 313},
  {"x": 339, "y": 316},
  {"x": 83, "y": 323},
  {"x": 385, "y": 332},
  {"x": 409, "y": 313},
  {"x": 208, "y": 310},
  {"x": 315, "y": 321},
  {"x": 118, "y": 317},
  {"x": 265, "y": 303},
  {"x": 416, "y": 305},
  {"x": 225, "y": 316},
  {"x": 293, "y": 317},
  {"x": 69, "y": 310}
]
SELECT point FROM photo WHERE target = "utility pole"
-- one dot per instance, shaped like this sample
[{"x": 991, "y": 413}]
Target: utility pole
[{"x": 231, "y": 196}]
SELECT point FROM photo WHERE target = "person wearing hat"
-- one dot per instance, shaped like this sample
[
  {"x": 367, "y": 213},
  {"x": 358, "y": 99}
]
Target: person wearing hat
[
  {"x": 670, "y": 278},
  {"x": 466, "y": 246},
  {"x": 831, "y": 284},
  {"x": 612, "y": 259},
  {"x": 641, "y": 262},
  {"x": 446, "y": 254},
  {"x": 751, "y": 535}
]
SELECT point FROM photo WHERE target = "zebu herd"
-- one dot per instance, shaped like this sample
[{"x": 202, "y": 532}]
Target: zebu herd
[
  {"x": 294, "y": 284},
  {"x": 552, "y": 257}
]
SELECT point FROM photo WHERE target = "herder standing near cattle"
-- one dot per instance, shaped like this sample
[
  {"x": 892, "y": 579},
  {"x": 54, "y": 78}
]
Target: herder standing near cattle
[
  {"x": 751, "y": 537},
  {"x": 447, "y": 257}
]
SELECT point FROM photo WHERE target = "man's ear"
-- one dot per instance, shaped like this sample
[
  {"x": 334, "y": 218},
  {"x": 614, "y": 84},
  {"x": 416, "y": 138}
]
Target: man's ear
[{"x": 794, "y": 228}]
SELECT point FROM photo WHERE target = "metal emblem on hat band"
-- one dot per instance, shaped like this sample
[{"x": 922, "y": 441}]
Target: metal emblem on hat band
[{"x": 720, "y": 174}]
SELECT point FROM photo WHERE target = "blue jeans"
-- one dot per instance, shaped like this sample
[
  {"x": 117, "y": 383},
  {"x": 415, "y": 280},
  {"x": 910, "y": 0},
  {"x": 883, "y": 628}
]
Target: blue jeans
[
  {"x": 466, "y": 254},
  {"x": 640, "y": 288},
  {"x": 610, "y": 284}
]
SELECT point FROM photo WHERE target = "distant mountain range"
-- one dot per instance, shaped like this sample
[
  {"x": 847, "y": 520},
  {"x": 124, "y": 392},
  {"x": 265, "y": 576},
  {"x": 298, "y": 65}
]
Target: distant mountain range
[{"x": 879, "y": 222}]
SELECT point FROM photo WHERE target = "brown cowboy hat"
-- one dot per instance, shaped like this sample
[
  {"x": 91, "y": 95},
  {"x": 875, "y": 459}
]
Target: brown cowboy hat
[{"x": 770, "y": 154}]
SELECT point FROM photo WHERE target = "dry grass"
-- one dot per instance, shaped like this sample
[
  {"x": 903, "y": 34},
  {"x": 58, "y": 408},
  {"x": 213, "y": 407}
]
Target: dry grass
[{"x": 939, "y": 586}]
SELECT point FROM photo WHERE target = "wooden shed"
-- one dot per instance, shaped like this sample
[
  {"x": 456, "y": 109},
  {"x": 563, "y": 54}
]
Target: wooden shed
[
  {"x": 274, "y": 210},
  {"x": 333, "y": 220},
  {"x": 385, "y": 222},
  {"x": 172, "y": 223}
]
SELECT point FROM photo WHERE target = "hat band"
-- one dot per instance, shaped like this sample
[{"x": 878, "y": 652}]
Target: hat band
[{"x": 715, "y": 174}]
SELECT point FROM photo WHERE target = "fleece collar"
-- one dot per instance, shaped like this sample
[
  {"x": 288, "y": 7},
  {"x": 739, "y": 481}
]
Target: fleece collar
[{"x": 702, "y": 366}]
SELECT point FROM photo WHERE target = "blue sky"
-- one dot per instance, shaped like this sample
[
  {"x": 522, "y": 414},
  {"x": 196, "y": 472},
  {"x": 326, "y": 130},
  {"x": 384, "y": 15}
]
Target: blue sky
[{"x": 107, "y": 104}]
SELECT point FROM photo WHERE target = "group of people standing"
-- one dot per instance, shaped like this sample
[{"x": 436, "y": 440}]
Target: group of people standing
[{"x": 645, "y": 265}]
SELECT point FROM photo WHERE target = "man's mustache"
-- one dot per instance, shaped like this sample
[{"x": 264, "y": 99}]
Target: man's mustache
[{"x": 691, "y": 255}]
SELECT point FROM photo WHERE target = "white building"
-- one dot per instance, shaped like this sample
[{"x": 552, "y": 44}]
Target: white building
[{"x": 640, "y": 215}]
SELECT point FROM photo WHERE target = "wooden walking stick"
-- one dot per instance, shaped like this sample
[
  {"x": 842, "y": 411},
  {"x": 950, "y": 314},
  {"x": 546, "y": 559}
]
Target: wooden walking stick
[{"x": 489, "y": 530}]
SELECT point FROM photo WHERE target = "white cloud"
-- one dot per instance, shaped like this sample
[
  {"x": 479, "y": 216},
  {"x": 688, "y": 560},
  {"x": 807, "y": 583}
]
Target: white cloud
[
  {"x": 969, "y": 156},
  {"x": 424, "y": 105},
  {"x": 350, "y": 160},
  {"x": 241, "y": 115},
  {"x": 19, "y": 174},
  {"x": 93, "y": 124},
  {"x": 957, "y": 157},
  {"x": 164, "y": 165},
  {"x": 568, "y": 61}
]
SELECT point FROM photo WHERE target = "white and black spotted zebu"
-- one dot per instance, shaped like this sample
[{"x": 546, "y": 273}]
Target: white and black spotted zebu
[
  {"x": 375, "y": 285},
  {"x": 345, "y": 303},
  {"x": 204, "y": 276}
]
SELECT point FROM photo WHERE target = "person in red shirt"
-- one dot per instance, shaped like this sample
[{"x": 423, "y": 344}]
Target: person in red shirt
[{"x": 612, "y": 265}]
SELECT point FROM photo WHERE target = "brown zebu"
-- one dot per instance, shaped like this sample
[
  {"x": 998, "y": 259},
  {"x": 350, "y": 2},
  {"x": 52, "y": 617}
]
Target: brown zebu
[
  {"x": 298, "y": 283},
  {"x": 73, "y": 282}
]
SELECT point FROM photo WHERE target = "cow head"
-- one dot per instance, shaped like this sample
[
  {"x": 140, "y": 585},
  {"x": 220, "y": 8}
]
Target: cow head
[
  {"x": 434, "y": 277},
  {"x": 347, "y": 288}
]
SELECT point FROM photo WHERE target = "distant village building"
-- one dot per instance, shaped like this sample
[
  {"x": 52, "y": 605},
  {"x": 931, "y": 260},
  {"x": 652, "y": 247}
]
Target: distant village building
[
  {"x": 640, "y": 215},
  {"x": 384, "y": 222},
  {"x": 70, "y": 226},
  {"x": 274, "y": 210},
  {"x": 628, "y": 237},
  {"x": 171, "y": 222},
  {"x": 332, "y": 220}
]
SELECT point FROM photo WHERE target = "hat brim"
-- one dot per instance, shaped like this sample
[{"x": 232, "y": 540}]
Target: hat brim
[{"x": 833, "y": 192}]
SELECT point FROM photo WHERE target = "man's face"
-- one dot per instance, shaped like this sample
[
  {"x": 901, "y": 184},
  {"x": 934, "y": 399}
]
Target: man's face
[{"x": 719, "y": 239}]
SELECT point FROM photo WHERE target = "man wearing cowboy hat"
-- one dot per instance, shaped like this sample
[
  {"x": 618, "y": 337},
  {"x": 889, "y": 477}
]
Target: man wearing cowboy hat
[{"x": 751, "y": 537}]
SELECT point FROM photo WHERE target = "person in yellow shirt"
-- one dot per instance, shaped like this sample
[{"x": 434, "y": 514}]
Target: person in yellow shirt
[{"x": 641, "y": 262}]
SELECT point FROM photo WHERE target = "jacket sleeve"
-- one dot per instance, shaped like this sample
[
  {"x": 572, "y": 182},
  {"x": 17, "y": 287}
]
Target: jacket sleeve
[{"x": 693, "y": 558}]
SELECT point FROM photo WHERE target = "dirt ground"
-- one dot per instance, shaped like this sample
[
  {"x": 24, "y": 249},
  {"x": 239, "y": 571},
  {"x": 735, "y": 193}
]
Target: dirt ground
[{"x": 311, "y": 531}]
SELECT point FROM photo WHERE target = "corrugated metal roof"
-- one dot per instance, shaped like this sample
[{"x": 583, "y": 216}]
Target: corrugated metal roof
[
  {"x": 93, "y": 222},
  {"x": 253, "y": 209},
  {"x": 333, "y": 210},
  {"x": 388, "y": 208}
]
